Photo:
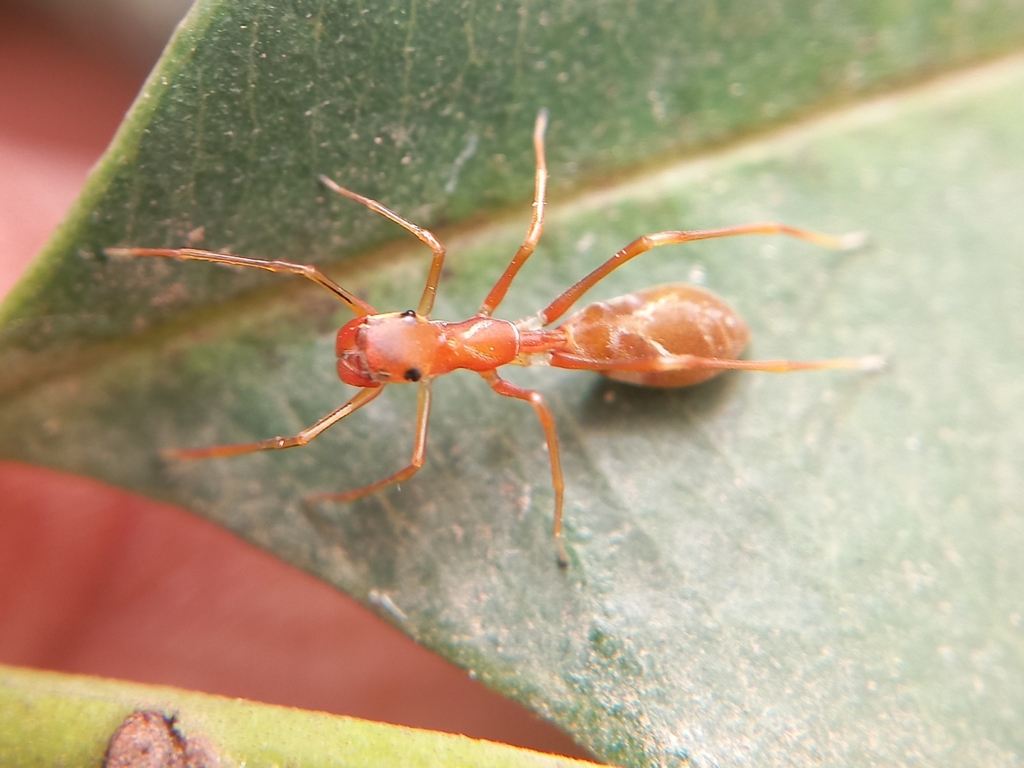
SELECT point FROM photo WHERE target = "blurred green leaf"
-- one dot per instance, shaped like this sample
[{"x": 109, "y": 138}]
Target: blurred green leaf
[
  {"x": 817, "y": 567},
  {"x": 428, "y": 107},
  {"x": 53, "y": 719}
]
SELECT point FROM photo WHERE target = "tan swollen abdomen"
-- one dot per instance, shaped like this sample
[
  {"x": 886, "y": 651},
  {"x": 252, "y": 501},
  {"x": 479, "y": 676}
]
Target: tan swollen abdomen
[{"x": 654, "y": 325}]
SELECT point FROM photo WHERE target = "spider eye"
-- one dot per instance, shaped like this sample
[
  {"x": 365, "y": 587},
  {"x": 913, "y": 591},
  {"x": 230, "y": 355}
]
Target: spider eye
[
  {"x": 409, "y": 313},
  {"x": 413, "y": 374}
]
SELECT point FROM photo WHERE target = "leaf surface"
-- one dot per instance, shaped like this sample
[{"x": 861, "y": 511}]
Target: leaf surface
[
  {"x": 55, "y": 719},
  {"x": 777, "y": 568}
]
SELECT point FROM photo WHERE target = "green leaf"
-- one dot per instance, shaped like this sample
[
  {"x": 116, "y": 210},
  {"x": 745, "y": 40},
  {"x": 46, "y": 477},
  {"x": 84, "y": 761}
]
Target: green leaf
[
  {"x": 53, "y": 719},
  {"x": 427, "y": 107},
  {"x": 816, "y": 567}
]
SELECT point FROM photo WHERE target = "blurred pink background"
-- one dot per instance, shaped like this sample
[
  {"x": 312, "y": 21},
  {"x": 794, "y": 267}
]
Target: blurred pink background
[{"x": 98, "y": 581}]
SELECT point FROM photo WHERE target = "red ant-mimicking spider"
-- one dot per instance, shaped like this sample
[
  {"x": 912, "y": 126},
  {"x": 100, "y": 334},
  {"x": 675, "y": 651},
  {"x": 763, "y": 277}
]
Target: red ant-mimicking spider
[{"x": 666, "y": 336}]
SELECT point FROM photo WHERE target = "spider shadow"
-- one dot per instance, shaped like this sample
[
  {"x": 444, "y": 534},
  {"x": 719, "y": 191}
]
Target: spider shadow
[{"x": 613, "y": 406}]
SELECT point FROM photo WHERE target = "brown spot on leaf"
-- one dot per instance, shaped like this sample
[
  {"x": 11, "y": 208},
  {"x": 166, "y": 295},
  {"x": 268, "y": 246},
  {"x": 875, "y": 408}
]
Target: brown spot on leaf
[{"x": 148, "y": 739}]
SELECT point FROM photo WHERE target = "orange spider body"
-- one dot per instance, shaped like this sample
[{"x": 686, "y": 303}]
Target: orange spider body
[
  {"x": 665, "y": 336},
  {"x": 625, "y": 338},
  {"x": 399, "y": 347},
  {"x": 632, "y": 335}
]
